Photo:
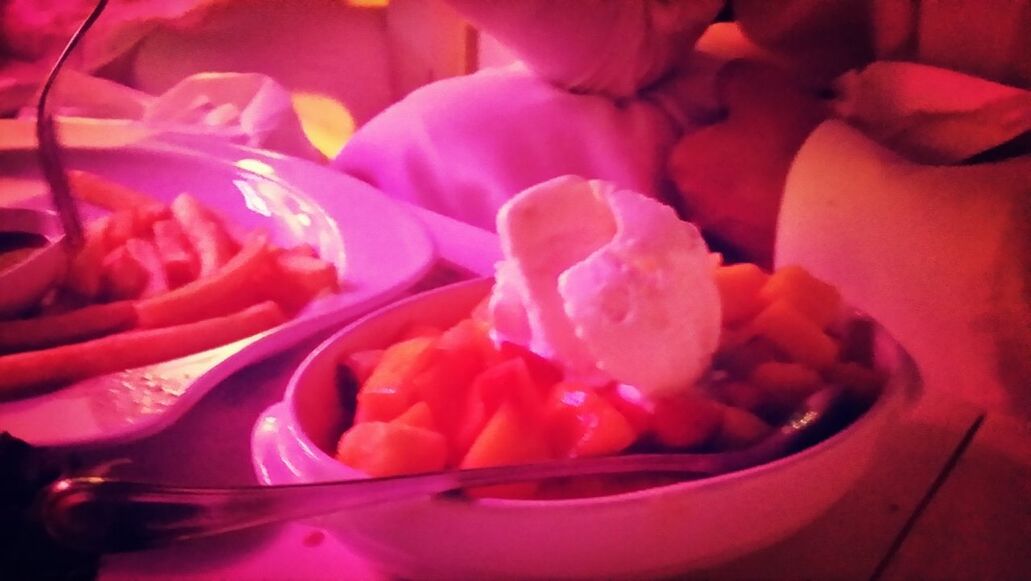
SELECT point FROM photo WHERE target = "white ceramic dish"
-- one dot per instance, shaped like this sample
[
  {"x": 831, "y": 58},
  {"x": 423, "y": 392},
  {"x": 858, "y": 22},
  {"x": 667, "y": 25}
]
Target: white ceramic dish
[
  {"x": 22, "y": 284},
  {"x": 378, "y": 246},
  {"x": 658, "y": 531}
]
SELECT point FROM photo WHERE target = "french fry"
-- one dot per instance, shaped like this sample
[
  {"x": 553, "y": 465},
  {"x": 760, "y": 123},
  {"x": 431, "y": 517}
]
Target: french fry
[
  {"x": 301, "y": 278},
  {"x": 177, "y": 259},
  {"x": 123, "y": 276},
  {"x": 147, "y": 256},
  {"x": 233, "y": 287},
  {"x": 77, "y": 325},
  {"x": 93, "y": 189},
  {"x": 84, "y": 272},
  {"x": 209, "y": 238},
  {"x": 48, "y": 367}
]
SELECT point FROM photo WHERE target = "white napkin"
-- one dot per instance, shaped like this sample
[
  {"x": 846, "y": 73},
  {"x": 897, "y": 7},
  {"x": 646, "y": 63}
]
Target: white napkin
[{"x": 244, "y": 108}]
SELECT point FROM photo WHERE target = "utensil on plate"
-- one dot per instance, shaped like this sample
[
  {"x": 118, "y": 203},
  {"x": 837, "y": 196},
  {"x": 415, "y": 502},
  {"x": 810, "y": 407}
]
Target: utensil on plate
[
  {"x": 49, "y": 149},
  {"x": 104, "y": 514}
]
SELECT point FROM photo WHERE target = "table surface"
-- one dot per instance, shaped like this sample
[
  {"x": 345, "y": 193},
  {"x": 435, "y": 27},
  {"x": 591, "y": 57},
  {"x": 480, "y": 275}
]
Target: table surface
[{"x": 948, "y": 497}]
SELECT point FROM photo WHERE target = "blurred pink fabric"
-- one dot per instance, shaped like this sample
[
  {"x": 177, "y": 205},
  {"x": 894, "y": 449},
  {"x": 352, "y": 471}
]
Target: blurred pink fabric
[{"x": 463, "y": 146}]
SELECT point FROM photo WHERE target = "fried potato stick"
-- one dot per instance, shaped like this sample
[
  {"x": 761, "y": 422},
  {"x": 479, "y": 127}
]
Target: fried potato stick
[
  {"x": 78, "y": 325},
  {"x": 33, "y": 369},
  {"x": 93, "y": 189},
  {"x": 236, "y": 285}
]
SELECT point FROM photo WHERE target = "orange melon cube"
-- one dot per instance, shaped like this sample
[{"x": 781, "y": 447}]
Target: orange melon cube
[
  {"x": 685, "y": 420},
  {"x": 362, "y": 363},
  {"x": 508, "y": 381},
  {"x": 795, "y": 334},
  {"x": 583, "y": 423},
  {"x": 456, "y": 358},
  {"x": 812, "y": 297},
  {"x": 739, "y": 286},
  {"x": 417, "y": 416},
  {"x": 509, "y": 437},
  {"x": 785, "y": 384},
  {"x": 391, "y": 449},
  {"x": 388, "y": 392},
  {"x": 740, "y": 429}
]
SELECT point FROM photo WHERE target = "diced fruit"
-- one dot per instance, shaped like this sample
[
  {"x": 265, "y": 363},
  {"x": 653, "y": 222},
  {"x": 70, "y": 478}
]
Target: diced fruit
[
  {"x": 390, "y": 449},
  {"x": 509, "y": 381},
  {"x": 858, "y": 379},
  {"x": 417, "y": 416},
  {"x": 775, "y": 375},
  {"x": 740, "y": 429},
  {"x": 509, "y": 437},
  {"x": 583, "y": 423},
  {"x": 685, "y": 420},
  {"x": 632, "y": 404},
  {"x": 796, "y": 335},
  {"x": 739, "y": 286},
  {"x": 785, "y": 384},
  {"x": 363, "y": 363},
  {"x": 399, "y": 362},
  {"x": 420, "y": 331},
  {"x": 458, "y": 356},
  {"x": 544, "y": 372},
  {"x": 740, "y": 394},
  {"x": 817, "y": 300},
  {"x": 740, "y": 360},
  {"x": 388, "y": 391}
]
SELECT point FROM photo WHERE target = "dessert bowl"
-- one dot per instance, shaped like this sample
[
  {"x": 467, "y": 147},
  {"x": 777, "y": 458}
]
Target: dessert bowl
[{"x": 653, "y": 531}]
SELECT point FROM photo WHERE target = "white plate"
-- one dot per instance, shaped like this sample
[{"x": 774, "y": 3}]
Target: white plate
[{"x": 380, "y": 248}]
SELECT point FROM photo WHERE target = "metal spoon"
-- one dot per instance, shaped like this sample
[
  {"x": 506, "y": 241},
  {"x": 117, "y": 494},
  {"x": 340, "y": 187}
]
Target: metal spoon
[{"x": 102, "y": 514}]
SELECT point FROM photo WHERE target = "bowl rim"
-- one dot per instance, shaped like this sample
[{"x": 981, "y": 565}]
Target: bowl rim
[{"x": 905, "y": 378}]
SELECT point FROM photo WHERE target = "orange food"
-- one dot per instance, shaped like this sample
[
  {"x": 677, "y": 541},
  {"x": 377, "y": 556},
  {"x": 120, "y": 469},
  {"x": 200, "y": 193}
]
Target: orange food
[
  {"x": 739, "y": 286},
  {"x": 392, "y": 448},
  {"x": 177, "y": 258},
  {"x": 812, "y": 297},
  {"x": 210, "y": 240},
  {"x": 583, "y": 423},
  {"x": 685, "y": 420},
  {"x": 102, "y": 192},
  {"x": 139, "y": 252},
  {"x": 228, "y": 290},
  {"x": 797, "y": 335},
  {"x": 509, "y": 437},
  {"x": 503, "y": 404},
  {"x": 32, "y": 369},
  {"x": 76, "y": 325},
  {"x": 388, "y": 391}
]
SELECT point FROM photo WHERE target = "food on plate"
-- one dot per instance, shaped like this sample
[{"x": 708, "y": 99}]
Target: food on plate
[
  {"x": 497, "y": 388},
  {"x": 133, "y": 348},
  {"x": 154, "y": 282}
]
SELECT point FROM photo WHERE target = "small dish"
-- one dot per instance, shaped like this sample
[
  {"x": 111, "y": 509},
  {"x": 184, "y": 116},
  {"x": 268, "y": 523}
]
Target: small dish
[
  {"x": 27, "y": 267},
  {"x": 657, "y": 531}
]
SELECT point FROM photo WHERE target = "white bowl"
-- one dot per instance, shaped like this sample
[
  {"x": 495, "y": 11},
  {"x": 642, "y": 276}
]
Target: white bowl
[
  {"x": 25, "y": 282},
  {"x": 656, "y": 531}
]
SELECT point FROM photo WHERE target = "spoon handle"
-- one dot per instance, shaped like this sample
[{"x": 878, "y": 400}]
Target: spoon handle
[{"x": 114, "y": 515}]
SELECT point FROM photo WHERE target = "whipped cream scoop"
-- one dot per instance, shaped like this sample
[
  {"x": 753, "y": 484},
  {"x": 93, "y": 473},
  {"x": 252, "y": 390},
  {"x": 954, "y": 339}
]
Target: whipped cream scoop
[{"x": 607, "y": 282}]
